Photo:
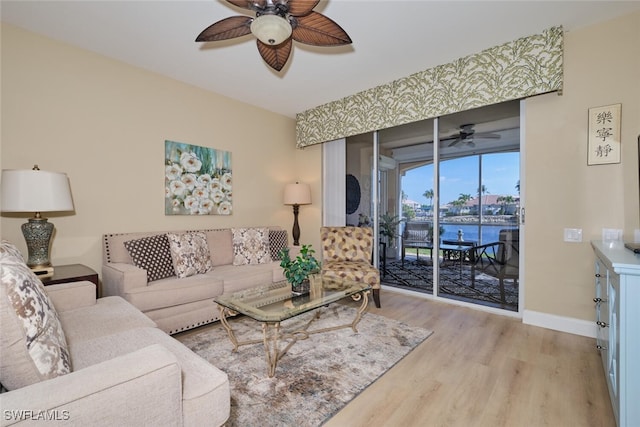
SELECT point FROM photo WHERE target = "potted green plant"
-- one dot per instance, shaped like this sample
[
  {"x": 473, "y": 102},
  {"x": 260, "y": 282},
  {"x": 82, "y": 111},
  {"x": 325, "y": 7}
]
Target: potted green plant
[
  {"x": 389, "y": 227},
  {"x": 297, "y": 270}
]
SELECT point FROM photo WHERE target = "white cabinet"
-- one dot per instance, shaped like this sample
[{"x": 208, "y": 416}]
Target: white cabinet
[{"x": 617, "y": 298}]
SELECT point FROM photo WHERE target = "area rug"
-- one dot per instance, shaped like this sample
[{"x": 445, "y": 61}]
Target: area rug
[
  {"x": 317, "y": 376},
  {"x": 455, "y": 282}
]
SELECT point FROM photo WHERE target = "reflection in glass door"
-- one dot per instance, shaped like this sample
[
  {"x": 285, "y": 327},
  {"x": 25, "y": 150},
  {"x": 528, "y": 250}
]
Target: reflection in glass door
[{"x": 456, "y": 196}]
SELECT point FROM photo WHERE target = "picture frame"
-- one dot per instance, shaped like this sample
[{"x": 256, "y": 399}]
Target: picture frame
[
  {"x": 604, "y": 145},
  {"x": 197, "y": 180}
]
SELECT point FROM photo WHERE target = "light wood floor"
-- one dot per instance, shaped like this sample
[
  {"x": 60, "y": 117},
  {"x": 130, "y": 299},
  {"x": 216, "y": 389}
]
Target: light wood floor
[{"x": 482, "y": 369}]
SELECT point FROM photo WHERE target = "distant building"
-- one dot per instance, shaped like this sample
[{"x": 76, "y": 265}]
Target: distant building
[
  {"x": 492, "y": 204},
  {"x": 412, "y": 204}
]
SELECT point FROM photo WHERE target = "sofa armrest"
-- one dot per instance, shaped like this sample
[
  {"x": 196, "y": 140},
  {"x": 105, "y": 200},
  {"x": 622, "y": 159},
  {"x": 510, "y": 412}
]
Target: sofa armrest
[
  {"x": 119, "y": 278},
  {"x": 140, "y": 388},
  {"x": 69, "y": 296}
]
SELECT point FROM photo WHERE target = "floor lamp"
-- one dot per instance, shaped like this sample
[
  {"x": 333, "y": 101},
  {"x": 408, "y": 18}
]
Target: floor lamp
[
  {"x": 36, "y": 191},
  {"x": 296, "y": 194}
]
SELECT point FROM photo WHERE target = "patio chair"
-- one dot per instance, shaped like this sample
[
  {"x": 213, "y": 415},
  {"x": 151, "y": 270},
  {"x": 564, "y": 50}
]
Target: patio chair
[
  {"x": 417, "y": 235},
  {"x": 347, "y": 254},
  {"x": 498, "y": 259}
]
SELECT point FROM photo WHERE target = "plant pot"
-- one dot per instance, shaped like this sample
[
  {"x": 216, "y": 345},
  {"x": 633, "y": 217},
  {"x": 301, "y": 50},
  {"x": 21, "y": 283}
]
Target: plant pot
[{"x": 301, "y": 288}]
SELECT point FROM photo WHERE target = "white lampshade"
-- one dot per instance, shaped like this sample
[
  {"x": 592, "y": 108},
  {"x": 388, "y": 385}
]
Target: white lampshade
[
  {"x": 297, "y": 194},
  {"x": 35, "y": 191},
  {"x": 271, "y": 29}
]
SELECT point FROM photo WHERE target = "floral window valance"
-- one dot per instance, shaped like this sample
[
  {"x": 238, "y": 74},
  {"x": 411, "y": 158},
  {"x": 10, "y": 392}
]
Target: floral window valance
[{"x": 528, "y": 66}]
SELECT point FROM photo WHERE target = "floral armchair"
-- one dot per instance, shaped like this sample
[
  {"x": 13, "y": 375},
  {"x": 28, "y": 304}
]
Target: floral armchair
[{"x": 347, "y": 254}]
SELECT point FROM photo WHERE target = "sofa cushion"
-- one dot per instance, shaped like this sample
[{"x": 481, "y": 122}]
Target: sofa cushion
[
  {"x": 277, "y": 242},
  {"x": 190, "y": 253},
  {"x": 33, "y": 345},
  {"x": 237, "y": 278},
  {"x": 109, "y": 315},
  {"x": 251, "y": 246},
  {"x": 172, "y": 292},
  {"x": 152, "y": 254},
  {"x": 205, "y": 388},
  {"x": 220, "y": 246}
]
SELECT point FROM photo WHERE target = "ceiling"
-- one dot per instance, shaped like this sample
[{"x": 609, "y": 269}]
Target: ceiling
[{"x": 391, "y": 39}]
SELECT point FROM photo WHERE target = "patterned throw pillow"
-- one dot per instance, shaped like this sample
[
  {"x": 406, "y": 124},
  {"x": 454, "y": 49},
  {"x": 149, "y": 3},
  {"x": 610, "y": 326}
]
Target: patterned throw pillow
[
  {"x": 8, "y": 249},
  {"x": 35, "y": 347},
  {"x": 190, "y": 253},
  {"x": 277, "y": 242},
  {"x": 153, "y": 254},
  {"x": 250, "y": 246}
]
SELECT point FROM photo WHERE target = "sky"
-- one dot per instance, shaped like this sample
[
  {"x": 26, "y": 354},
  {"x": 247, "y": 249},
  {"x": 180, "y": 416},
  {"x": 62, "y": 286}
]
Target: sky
[{"x": 501, "y": 172}]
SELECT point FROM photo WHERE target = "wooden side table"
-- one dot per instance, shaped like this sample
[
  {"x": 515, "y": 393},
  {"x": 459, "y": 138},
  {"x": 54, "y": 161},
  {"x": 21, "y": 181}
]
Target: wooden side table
[{"x": 72, "y": 273}]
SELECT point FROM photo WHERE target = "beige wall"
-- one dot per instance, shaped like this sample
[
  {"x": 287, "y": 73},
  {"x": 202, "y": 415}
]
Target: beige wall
[
  {"x": 104, "y": 123},
  {"x": 602, "y": 67}
]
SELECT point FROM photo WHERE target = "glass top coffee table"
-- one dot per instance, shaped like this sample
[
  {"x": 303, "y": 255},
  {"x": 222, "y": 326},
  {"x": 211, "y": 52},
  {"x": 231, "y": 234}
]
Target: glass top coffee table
[{"x": 275, "y": 303}]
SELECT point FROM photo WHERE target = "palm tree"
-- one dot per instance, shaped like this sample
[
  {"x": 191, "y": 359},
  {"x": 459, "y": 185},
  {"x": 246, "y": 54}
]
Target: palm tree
[
  {"x": 518, "y": 186},
  {"x": 429, "y": 195},
  {"x": 504, "y": 201},
  {"x": 458, "y": 205},
  {"x": 464, "y": 197},
  {"x": 462, "y": 200}
]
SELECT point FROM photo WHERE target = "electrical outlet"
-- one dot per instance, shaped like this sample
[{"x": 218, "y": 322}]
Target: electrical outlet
[
  {"x": 573, "y": 235},
  {"x": 611, "y": 234}
]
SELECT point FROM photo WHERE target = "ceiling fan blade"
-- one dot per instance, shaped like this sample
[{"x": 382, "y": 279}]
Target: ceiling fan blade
[
  {"x": 302, "y": 7},
  {"x": 248, "y": 4},
  {"x": 275, "y": 56},
  {"x": 488, "y": 135},
  {"x": 318, "y": 30},
  {"x": 228, "y": 28},
  {"x": 455, "y": 142}
]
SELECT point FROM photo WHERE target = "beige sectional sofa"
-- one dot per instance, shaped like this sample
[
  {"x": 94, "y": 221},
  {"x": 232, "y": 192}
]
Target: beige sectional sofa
[
  {"x": 77, "y": 361},
  {"x": 177, "y": 304}
]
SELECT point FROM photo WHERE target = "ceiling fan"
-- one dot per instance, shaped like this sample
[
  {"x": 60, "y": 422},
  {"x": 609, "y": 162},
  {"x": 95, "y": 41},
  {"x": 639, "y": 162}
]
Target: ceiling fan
[
  {"x": 467, "y": 134},
  {"x": 276, "y": 24}
]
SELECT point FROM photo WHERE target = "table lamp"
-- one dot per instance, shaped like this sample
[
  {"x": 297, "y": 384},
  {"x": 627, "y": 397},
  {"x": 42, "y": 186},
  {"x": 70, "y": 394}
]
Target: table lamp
[
  {"x": 36, "y": 191},
  {"x": 296, "y": 194}
]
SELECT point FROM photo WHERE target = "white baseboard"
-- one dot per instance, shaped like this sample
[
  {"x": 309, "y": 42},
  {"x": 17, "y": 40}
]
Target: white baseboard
[{"x": 560, "y": 323}]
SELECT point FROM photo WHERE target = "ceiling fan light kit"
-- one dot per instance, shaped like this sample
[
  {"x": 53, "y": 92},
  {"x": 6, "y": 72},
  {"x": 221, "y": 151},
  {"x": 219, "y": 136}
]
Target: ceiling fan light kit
[
  {"x": 276, "y": 25},
  {"x": 271, "y": 29}
]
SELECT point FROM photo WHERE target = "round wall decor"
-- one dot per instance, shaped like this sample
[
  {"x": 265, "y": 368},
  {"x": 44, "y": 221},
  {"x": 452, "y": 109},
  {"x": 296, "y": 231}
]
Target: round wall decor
[{"x": 353, "y": 194}]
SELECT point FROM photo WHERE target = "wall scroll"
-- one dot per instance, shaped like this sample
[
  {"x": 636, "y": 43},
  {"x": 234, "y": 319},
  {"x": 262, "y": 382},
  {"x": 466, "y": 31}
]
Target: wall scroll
[{"x": 604, "y": 135}]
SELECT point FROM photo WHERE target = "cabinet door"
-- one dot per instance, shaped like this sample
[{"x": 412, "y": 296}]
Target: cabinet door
[
  {"x": 602, "y": 312},
  {"x": 613, "y": 362}
]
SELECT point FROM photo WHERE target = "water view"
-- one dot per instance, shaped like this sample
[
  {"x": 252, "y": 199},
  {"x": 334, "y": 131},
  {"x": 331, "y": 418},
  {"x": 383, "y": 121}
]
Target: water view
[{"x": 471, "y": 232}]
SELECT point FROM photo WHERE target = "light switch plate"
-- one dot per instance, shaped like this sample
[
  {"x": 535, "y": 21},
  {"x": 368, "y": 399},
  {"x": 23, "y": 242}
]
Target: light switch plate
[
  {"x": 611, "y": 234},
  {"x": 573, "y": 235},
  {"x": 636, "y": 235}
]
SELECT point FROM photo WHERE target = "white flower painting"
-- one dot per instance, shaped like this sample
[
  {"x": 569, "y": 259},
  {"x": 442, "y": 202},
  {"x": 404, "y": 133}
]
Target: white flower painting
[{"x": 197, "y": 180}]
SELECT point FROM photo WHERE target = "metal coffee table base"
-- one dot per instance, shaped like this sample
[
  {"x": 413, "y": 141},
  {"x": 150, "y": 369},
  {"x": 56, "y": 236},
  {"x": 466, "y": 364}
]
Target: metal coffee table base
[{"x": 272, "y": 334}]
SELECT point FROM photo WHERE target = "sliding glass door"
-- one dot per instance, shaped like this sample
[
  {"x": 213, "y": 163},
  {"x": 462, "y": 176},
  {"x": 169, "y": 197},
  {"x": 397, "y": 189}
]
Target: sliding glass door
[{"x": 444, "y": 197}]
